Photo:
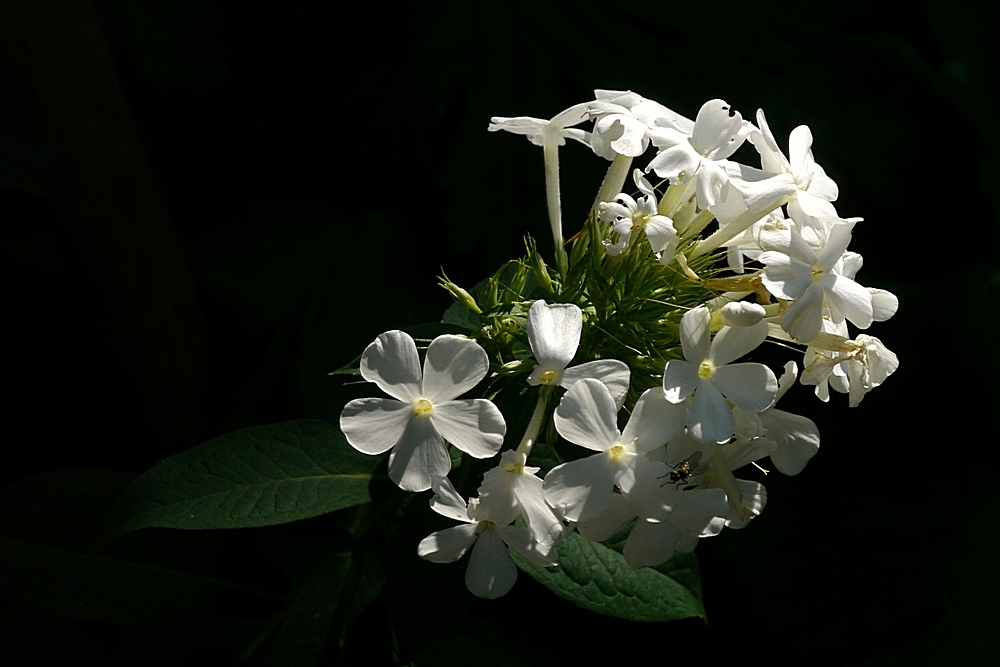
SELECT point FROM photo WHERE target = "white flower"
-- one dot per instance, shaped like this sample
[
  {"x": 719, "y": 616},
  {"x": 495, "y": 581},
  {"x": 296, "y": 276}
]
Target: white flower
[
  {"x": 706, "y": 372},
  {"x": 796, "y": 272},
  {"x": 538, "y": 131},
  {"x": 587, "y": 416},
  {"x": 796, "y": 437},
  {"x": 815, "y": 190},
  {"x": 718, "y": 131},
  {"x": 491, "y": 571},
  {"x": 513, "y": 484},
  {"x": 630, "y": 216},
  {"x": 624, "y": 120},
  {"x": 554, "y": 335},
  {"x": 865, "y": 361},
  {"x": 424, "y": 413}
]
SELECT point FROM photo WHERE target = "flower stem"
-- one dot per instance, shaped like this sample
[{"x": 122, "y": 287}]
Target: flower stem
[
  {"x": 535, "y": 425},
  {"x": 614, "y": 180},
  {"x": 550, "y": 148}
]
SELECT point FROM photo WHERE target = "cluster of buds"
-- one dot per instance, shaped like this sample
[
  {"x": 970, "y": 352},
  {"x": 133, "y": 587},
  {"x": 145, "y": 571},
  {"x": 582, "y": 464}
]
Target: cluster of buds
[{"x": 641, "y": 304}]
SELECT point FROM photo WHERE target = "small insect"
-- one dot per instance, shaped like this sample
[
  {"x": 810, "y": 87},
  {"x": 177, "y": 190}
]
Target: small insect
[{"x": 689, "y": 467}]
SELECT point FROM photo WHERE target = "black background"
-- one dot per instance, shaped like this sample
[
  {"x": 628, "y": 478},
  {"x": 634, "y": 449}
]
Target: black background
[{"x": 207, "y": 206}]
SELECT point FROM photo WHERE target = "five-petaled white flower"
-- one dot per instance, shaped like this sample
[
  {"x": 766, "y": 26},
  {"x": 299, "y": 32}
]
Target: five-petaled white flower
[
  {"x": 491, "y": 571},
  {"x": 424, "y": 413},
  {"x": 707, "y": 373},
  {"x": 587, "y": 416}
]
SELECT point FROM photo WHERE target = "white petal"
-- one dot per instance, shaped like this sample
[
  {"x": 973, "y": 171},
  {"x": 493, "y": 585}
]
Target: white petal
[
  {"x": 612, "y": 373},
  {"x": 718, "y": 130},
  {"x": 800, "y": 151},
  {"x": 678, "y": 162},
  {"x": 750, "y": 387},
  {"x": 520, "y": 540},
  {"x": 475, "y": 426},
  {"x": 787, "y": 379},
  {"x": 850, "y": 299},
  {"x": 392, "y": 363},
  {"x": 650, "y": 544},
  {"x": 374, "y": 425},
  {"x": 654, "y": 421},
  {"x": 797, "y": 438},
  {"x": 544, "y": 524},
  {"x": 453, "y": 366},
  {"x": 661, "y": 233},
  {"x": 884, "y": 304},
  {"x": 695, "y": 334},
  {"x": 581, "y": 489},
  {"x": 710, "y": 419},
  {"x": 491, "y": 571},
  {"x": 713, "y": 188},
  {"x": 742, "y": 313},
  {"x": 447, "y": 546},
  {"x": 783, "y": 276},
  {"x": 419, "y": 457},
  {"x": 731, "y": 343},
  {"x": 610, "y": 521},
  {"x": 699, "y": 508},
  {"x": 680, "y": 379},
  {"x": 554, "y": 332},
  {"x": 836, "y": 244},
  {"x": 587, "y": 416},
  {"x": 447, "y": 502},
  {"x": 803, "y": 319}
]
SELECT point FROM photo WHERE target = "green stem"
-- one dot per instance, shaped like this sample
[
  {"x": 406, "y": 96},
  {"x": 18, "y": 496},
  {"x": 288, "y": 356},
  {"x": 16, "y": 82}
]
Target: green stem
[{"x": 535, "y": 425}]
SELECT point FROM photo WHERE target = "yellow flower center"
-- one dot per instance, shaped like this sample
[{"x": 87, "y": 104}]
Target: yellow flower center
[
  {"x": 705, "y": 370},
  {"x": 639, "y": 220},
  {"x": 616, "y": 451},
  {"x": 548, "y": 378},
  {"x": 423, "y": 407},
  {"x": 817, "y": 275}
]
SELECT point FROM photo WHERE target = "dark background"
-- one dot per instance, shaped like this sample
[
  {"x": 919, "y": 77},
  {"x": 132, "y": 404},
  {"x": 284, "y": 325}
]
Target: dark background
[{"x": 205, "y": 206}]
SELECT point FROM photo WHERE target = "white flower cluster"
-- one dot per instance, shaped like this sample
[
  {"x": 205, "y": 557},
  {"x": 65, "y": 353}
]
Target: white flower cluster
[{"x": 669, "y": 473}]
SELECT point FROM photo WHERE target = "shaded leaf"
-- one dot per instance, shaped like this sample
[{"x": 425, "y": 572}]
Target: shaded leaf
[
  {"x": 259, "y": 476},
  {"x": 597, "y": 578},
  {"x": 303, "y": 633}
]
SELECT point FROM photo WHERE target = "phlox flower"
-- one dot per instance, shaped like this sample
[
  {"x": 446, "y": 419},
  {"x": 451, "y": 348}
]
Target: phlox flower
[
  {"x": 423, "y": 413},
  {"x": 554, "y": 335},
  {"x": 515, "y": 485},
  {"x": 865, "y": 361},
  {"x": 629, "y": 216},
  {"x": 587, "y": 416},
  {"x": 813, "y": 279},
  {"x": 707, "y": 375},
  {"x": 717, "y": 132},
  {"x": 815, "y": 190},
  {"x": 491, "y": 571}
]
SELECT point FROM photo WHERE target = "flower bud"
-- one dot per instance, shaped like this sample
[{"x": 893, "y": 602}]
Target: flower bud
[{"x": 459, "y": 294}]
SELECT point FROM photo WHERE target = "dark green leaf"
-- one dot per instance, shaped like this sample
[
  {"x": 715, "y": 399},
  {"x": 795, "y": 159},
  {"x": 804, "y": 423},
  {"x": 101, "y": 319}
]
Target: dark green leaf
[
  {"x": 460, "y": 316},
  {"x": 597, "y": 578},
  {"x": 258, "y": 476},
  {"x": 303, "y": 632}
]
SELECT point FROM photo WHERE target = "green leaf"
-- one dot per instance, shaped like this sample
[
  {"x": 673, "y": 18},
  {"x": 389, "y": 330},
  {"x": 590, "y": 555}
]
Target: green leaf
[
  {"x": 597, "y": 578},
  {"x": 460, "y": 316},
  {"x": 259, "y": 476},
  {"x": 303, "y": 633}
]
